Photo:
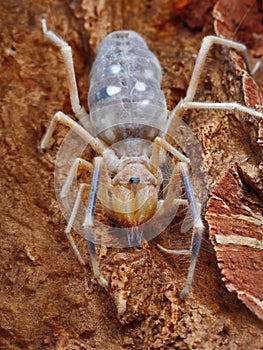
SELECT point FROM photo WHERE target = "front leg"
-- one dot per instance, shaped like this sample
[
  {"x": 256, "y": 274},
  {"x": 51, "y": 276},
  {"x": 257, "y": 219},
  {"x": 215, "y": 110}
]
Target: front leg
[
  {"x": 198, "y": 227},
  {"x": 88, "y": 222}
]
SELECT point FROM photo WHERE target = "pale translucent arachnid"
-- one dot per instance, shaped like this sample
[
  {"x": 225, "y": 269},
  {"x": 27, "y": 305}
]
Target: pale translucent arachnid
[{"x": 128, "y": 111}]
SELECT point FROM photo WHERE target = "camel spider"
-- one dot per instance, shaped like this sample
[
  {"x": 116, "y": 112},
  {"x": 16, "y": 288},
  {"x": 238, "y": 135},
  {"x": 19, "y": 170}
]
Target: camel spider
[{"x": 128, "y": 108}]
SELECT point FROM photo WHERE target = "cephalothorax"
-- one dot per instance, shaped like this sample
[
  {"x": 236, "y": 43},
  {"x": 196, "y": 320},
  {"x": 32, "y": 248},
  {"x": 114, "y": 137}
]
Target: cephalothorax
[{"x": 130, "y": 131}]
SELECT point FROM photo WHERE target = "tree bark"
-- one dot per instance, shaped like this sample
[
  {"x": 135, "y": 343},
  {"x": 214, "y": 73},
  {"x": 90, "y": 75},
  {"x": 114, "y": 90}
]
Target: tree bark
[{"x": 49, "y": 301}]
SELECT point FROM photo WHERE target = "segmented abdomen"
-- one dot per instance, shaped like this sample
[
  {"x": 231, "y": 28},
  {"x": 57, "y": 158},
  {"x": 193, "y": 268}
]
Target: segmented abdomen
[{"x": 125, "y": 98}]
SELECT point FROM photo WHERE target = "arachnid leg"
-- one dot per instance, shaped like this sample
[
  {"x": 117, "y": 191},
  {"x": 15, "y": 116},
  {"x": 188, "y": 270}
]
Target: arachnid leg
[
  {"x": 71, "y": 221},
  {"x": 68, "y": 61},
  {"x": 88, "y": 222},
  {"x": 62, "y": 118},
  {"x": 75, "y": 208},
  {"x": 78, "y": 163},
  {"x": 223, "y": 106},
  {"x": 178, "y": 112},
  {"x": 207, "y": 43},
  {"x": 162, "y": 143},
  {"x": 198, "y": 227}
]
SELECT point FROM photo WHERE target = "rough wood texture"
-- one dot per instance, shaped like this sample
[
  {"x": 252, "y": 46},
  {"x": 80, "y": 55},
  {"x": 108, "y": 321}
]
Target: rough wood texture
[
  {"x": 48, "y": 301},
  {"x": 239, "y": 27},
  {"x": 234, "y": 214}
]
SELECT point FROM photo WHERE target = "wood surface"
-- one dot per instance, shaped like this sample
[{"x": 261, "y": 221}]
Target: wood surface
[{"x": 47, "y": 300}]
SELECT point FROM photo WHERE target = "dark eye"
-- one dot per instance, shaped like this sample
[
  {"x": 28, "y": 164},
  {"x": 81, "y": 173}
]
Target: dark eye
[{"x": 134, "y": 180}]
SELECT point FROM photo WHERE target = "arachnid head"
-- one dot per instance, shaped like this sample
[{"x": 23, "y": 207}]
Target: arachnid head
[{"x": 133, "y": 195}]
